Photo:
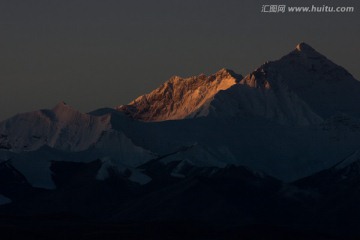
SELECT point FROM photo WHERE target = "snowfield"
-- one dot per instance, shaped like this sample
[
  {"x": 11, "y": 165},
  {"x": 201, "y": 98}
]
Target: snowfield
[{"x": 289, "y": 118}]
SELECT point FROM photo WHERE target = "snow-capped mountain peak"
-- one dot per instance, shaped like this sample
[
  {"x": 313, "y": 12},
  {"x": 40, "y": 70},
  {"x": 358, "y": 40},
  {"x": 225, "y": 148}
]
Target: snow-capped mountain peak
[
  {"x": 227, "y": 73},
  {"x": 304, "y": 47},
  {"x": 325, "y": 86},
  {"x": 277, "y": 119},
  {"x": 180, "y": 98},
  {"x": 298, "y": 87},
  {"x": 62, "y": 127}
]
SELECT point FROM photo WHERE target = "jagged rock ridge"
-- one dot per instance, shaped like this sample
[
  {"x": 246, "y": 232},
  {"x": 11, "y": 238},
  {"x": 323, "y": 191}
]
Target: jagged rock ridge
[
  {"x": 301, "y": 88},
  {"x": 180, "y": 98}
]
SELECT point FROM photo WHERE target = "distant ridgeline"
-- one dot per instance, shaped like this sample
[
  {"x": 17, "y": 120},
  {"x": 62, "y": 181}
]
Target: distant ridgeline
[{"x": 277, "y": 147}]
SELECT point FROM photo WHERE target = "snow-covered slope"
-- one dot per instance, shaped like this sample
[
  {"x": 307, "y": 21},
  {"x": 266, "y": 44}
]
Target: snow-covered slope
[
  {"x": 62, "y": 127},
  {"x": 118, "y": 154},
  {"x": 301, "y": 88},
  {"x": 288, "y": 118},
  {"x": 258, "y": 95},
  {"x": 326, "y": 87},
  {"x": 30, "y": 142},
  {"x": 180, "y": 98},
  {"x": 280, "y": 119}
]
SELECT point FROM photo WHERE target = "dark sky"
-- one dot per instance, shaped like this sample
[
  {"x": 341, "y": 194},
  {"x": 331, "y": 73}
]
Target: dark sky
[{"x": 97, "y": 53}]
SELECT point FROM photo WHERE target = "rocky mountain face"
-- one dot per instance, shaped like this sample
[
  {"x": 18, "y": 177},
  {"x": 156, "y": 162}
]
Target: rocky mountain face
[
  {"x": 180, "y": 98},
  {"x": 278, "y": 147},
  {"x": 303, "y": 87}
]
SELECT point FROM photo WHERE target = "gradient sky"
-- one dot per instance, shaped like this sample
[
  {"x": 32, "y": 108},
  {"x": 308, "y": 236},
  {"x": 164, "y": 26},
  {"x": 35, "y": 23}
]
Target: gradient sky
[{"x": 97, "y": 53}]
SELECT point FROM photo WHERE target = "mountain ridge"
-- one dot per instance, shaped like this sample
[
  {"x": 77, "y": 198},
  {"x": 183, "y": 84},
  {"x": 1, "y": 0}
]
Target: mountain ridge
[
  {"x": 278, "y": 82},
  {"x": 180, "y": 97},
  {"x": 217, "y": 113}
]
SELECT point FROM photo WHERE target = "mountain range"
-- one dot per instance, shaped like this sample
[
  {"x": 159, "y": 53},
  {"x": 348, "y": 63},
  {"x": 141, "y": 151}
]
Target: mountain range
[{"x": 277, "y": 147}]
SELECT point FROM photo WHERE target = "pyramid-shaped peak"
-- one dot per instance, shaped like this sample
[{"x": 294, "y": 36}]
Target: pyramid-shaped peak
[
  {"x": 304, "y": 52},
  {"x": 304, "y": 47}
]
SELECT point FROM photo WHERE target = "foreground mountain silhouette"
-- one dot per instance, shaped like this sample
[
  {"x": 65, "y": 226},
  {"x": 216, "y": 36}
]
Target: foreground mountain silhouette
[{"x": 278, "y": 147}]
